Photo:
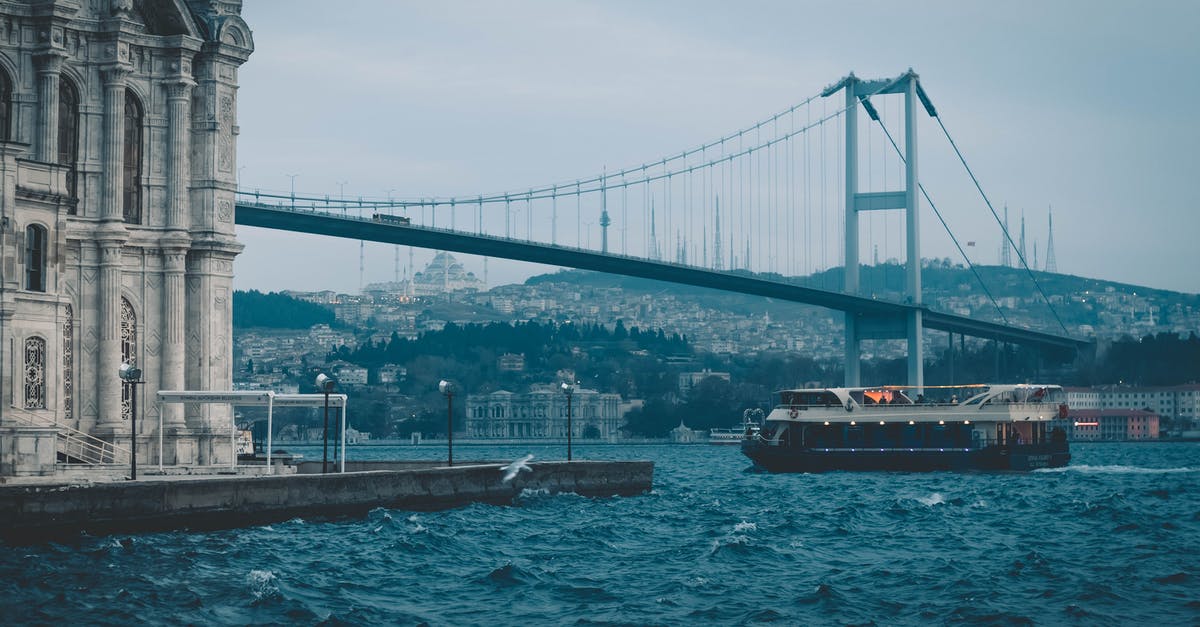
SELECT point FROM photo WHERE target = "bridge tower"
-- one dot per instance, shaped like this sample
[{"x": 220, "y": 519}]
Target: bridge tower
[{"x": 860, "y": 326}]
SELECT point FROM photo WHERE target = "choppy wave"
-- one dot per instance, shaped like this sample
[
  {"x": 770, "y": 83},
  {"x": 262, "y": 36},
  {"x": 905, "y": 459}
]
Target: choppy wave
[
  {"x": 1110, "y": 540},
  {"x": 1118, "y": 469}
]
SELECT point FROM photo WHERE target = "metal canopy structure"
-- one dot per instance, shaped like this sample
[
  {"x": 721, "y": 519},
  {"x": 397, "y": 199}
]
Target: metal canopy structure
[{"x": 253, "y": 398}]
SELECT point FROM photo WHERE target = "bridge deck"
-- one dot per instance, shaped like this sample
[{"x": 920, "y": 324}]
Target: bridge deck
[{"x": 320, "y": 223}]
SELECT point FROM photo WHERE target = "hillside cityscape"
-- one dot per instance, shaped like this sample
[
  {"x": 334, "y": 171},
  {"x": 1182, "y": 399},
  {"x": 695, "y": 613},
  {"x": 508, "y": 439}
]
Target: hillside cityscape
[{"x": 654, "y": 360}]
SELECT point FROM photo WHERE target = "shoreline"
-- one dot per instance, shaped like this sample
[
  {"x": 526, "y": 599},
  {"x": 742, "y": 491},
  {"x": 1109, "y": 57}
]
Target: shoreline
[{"x": 33, "y": 513}]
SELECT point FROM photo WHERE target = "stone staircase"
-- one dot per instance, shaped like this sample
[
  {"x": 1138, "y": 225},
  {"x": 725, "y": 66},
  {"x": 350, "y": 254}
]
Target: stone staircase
[{"x": 76, "y": 448}]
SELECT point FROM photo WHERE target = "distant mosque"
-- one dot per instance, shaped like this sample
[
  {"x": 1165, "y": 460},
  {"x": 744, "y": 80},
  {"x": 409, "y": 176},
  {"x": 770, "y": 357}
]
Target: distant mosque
[{"x": 443, "y": 275}]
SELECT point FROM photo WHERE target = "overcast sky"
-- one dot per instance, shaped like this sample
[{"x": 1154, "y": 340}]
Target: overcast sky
[{"x": 1088, "y": 107}]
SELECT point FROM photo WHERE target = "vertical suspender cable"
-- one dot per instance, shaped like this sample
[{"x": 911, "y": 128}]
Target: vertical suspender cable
[{"x": 997, "y": 217}]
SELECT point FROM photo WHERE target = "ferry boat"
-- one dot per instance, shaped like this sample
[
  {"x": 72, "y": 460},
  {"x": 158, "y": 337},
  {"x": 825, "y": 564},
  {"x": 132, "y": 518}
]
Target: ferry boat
[
  {"x": 748, "y": 429},
  {"x": 990, "y": 427}
]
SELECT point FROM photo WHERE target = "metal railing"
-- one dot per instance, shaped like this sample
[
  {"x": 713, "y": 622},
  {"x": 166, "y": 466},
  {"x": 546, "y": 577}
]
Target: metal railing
[
  {"x": 75, "y": 446},
  {"x": 79, "y": 447}
]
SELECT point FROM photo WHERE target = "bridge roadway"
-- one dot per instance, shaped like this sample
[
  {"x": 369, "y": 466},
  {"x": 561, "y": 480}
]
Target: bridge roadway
[{"x": 352, "y": 227}]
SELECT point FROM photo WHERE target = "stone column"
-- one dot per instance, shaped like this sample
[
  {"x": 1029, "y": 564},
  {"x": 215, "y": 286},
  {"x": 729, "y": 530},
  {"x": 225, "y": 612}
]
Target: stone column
[
  {"x": 49, "y": 63},
  {"x": 179, "y": 99},
  {"x": 113, "y": 150},
  {"x": 110, "y": 237},
  {"x": 175, "y": 245}
]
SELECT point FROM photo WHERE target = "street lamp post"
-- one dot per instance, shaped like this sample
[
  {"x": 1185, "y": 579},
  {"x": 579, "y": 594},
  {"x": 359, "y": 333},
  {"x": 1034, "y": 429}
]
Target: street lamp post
[
  {"x": 447, "y": 388},
  {"x": 131, "y": 376},
  {"x": 569, "y": 390},
  {"x": 325, "y": 384}
]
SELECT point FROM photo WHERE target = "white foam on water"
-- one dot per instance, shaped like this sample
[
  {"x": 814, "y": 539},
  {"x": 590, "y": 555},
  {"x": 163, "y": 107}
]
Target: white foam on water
[
  {"x": 933, "y": 499},
  {"x": 263, "y": 584},
  {"x": 745, "y": 526},
  {"x": 1118, "y": 469}
]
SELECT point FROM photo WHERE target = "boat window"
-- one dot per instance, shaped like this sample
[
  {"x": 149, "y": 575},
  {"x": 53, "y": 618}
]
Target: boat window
[
  {"x": 810, "y": 398},
  {"x": 826, "y": 436},
  {"x": 883, "y": 436},
  {"x": 939, "y": 437},
  {"x": 886, "y": 397},
  {"x": 960, "y": 435}
]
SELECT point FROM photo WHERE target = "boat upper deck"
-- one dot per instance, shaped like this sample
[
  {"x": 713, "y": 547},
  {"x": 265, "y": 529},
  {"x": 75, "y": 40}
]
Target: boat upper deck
[{"x": 992, "y": 403}]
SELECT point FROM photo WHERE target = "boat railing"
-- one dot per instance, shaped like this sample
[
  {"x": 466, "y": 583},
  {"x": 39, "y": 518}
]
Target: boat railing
[
  {"x": 973, "y": 443},
  {"x": 1041, "y": 408}
]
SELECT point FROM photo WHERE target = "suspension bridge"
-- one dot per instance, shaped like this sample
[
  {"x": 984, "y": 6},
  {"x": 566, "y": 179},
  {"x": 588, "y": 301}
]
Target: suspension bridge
[{"x": 750, "y": 212}]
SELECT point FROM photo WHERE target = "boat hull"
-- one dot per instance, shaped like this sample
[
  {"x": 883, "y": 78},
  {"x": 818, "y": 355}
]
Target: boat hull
[{"x": 1016, "y": 457}]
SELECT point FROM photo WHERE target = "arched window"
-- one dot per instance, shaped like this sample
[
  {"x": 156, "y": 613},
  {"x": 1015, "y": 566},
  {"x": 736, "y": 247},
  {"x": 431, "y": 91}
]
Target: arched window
[
  {"x": 35, "y": 258},
  {"x": 5, "y": 106},
  {"x": 132, "y": 201},
  {"x": 68, "y": 134},
  {"x": 35, "y": 373},
  {"x": 128, "y": 353},
  {"x": 68, "y": 356}
]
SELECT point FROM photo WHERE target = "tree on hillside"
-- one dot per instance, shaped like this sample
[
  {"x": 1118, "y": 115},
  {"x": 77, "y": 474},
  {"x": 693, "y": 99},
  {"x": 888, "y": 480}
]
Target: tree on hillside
[{"x": 277, "y": 311}]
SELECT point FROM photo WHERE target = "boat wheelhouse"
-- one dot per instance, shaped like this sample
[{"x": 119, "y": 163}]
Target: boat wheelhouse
[{"x": 980, "y": 427}]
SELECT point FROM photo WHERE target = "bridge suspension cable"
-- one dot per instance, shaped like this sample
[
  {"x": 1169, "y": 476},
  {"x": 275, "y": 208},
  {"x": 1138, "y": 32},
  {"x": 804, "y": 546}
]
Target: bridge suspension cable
[
  {"x": 954, "y": 239},
  {"x": 1003, "y": 227}
]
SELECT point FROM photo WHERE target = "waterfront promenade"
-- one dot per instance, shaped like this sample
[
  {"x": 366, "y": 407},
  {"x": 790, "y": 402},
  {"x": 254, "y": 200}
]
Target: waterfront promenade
[{"x": 40, "y": 510}]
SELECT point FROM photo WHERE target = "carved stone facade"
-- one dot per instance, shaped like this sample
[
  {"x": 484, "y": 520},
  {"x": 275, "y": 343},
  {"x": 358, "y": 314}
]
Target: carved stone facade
[
  {"x": 118, "y": 135},
  {"x": 542, "y": 413}
]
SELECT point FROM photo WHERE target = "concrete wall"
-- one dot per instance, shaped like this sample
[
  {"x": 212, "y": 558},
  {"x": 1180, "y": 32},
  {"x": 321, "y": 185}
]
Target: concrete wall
[
  {"x": 29, "y": 513},
  {"x": 27, "y": 451}
]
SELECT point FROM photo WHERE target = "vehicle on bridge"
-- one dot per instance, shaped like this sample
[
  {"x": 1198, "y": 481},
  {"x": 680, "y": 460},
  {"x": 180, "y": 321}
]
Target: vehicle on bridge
[
  {"x": 388, "y": 218},
  {"x": 994, "y": 427}
]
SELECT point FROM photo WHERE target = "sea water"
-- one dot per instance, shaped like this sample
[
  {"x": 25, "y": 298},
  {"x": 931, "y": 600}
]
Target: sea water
[{"x": 1112, "y": 539}]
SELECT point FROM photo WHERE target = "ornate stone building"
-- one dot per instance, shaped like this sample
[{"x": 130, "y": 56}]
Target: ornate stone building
[
  {"x": 542, "y": 413},
  {"x": 117, "y": 171}
]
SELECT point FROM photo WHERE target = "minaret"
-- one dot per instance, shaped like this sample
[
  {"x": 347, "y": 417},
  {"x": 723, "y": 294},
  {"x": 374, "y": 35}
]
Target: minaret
[
  {"x": 1051, "y": 264},
  {"x": 1005, "y": 249},
  {"x": 1021, "y": 249},
  {"x": 654, "y": 253},
  {"x": 412, "y": 272},
  {"x": 717, "y": 263}
]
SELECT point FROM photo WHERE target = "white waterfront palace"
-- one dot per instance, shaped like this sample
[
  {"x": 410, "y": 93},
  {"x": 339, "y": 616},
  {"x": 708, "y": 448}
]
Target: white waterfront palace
[
  {"x": 542, "y": 413},
  {"x": 118, "y": 167}
]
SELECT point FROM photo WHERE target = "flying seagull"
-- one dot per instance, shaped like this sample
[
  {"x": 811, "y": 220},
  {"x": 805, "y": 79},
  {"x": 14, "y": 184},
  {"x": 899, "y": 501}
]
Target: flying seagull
[{"x": 513, "y": 469}]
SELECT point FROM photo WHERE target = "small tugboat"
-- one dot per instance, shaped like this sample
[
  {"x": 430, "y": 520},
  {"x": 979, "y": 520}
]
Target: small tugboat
[{"x": 992, "y": 427}]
